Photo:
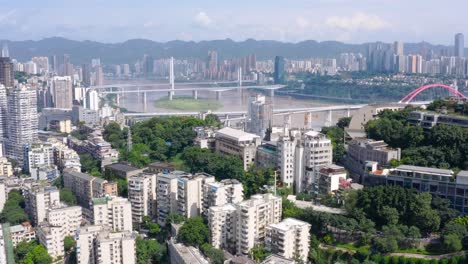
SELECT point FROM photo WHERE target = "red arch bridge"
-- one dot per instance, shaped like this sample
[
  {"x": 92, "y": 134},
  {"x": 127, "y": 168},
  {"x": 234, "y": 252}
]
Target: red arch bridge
[{"x": 409, "y": 97}]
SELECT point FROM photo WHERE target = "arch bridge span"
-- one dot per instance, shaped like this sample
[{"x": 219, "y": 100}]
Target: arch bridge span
[{"x": 410, "y": 97}]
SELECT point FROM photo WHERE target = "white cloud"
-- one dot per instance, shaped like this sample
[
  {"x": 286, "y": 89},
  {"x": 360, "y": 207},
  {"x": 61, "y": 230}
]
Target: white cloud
[
  {"x": 356, "y": 22},
  {"x": 202, "y": 19},
  {"x": 302, "y": 22}
]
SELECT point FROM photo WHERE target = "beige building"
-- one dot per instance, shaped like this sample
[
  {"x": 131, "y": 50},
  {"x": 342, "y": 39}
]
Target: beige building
[
  {"x": 61, "y": 222},
  {"x": 252, "y": 218},
  {"x": 61, "y": 91},
  {"x": 24, "y": 232},
  {"x": 182, "y": 254},
  {"x": 86, "y": 187},
  {"x": 100, "y": 245},
  {"x": 38, "y": 200},
  {"x": 114, "y": 212},
  {"x": 166, "y": 194},
  {"x": 6, "y": 168},
  {"x": 142, "y": 196},
  {"x": 221, "y": 193},
  {"x": 222, "y": 223},
  {"x": 288, "y": 238},
  {"x": 329, "y": 179},
  {"x": 190, "y": 193},
  {"x": 235, "y": 142},
  {"x": 3, "y": 196}
]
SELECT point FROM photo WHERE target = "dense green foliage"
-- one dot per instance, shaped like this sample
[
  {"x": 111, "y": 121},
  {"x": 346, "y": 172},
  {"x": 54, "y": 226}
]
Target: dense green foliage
[
  {"x": 194, "y": 232},
  {"x": 336, "y": 135},
  {"x": 452, "y": 107},
  {"x": 215, "y": 255},
  {"x": 31, "y": 253},
  {"x": 443, "y": 146},
  {"x": 13, "y": 211},
  {"x": 90, "y": 165},
  {"x": 150, "y": 251},
  {"x": 69, "y": 243},
  {"x": 67, "y": 197},
  {"x": 258, "y": 253}
]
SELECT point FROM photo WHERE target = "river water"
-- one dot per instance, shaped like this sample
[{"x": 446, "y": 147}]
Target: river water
[{"x": 238, "y": 101}]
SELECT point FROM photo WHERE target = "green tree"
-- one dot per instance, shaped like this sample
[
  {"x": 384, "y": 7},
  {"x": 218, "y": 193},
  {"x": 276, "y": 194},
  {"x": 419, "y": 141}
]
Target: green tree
[
  {"x": 150, "y": 251},
  {"x": 13, "y": 210},
  {"x": 174, "y": 218},
  {"x": 69, "y": 243},
  {"x": 258, "y": 253},
  {"x": 452, "y": 243},
  {"x": 89, "y": 164},
  {"x": 215, "y": 255},
  {"x": 67, "y": 197},
  {"x": 38, "y": 255},
  {"x": 343, "y": 122},
  {"x": 194, "y": 232}
]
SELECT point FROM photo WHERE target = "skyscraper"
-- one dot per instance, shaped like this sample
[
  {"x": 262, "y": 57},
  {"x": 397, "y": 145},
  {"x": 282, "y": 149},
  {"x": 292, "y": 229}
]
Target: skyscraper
[
  {"x": 22, "y": 120},
  {"x": 213, "y": 61},
  {"x": 279, "y": 70},
  {"x": 61, "y": 91},
  {"x": 260, "y": 115},
  {"x": 148, "y": 65},
  {"x": 398, "y": 48},
  {"x": 7, "y": 77},
  {"x": 459, "y": 45},
  {"x": 86, "y": 75}
]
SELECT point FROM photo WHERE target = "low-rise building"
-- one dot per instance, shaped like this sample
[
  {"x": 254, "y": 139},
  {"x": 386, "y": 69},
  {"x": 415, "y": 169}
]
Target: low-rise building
[
  {"x": 97, "y": 147},
  {"x": 289, "y": 238},
  {"x": 99, "y": 244},
  {"x": 22, "y": 232},
  {"x": 267, "y": 155},
  {"x": 86, "y": 187},
  {"x": 275, "y": 259},
  {"x": 121, "y": 170},
  {"x": 205, "y": 137},
  {"x": 329, "y": 179},
  {"x": 428, "y": 120},
  {"x": 363, "y": 150},
  {"x": 235, "y": 142},
  {"x": 182, "y": 254},
  {"x": 6, "y": 168}
]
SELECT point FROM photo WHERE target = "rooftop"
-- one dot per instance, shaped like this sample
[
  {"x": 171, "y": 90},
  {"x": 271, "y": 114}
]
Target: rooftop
[
  {"x": 288, "y": 223},
  {"x": 236, "y": 134},
  {"x": 122, "y": 167},
  {"x": 425, "y": 170}
]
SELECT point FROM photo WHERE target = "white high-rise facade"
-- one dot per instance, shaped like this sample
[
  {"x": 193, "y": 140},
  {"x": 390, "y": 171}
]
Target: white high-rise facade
[
  {"x": 100, "y": 245},
  {"x": 22, "y": 122},
  {"x": 142, "y": 196},
  {"x": 289, "y": 238},
  {"x": 190, "y": 194},
  {"x": 221, "y": 193},
  {"x": 252, "y": 217},
  {"x": 38, "y": 200},
  {"x": 114, "y": 212},
  {"x": 260, "y": 114},
  {"x": 92, "y": 100},
  {"x": 222, "y": 223}
]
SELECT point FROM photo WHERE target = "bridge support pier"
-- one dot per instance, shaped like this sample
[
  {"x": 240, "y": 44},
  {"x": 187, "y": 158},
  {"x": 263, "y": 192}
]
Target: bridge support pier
[
  {"x": 309, "y": 120},
  {"x": 195, "y": 94},
  {"x": 272, "y": 93},
  {"x": 145, "y": 102},
  {"x": 218, "y": 95},
  {"x": 287, "y": 121},
  {"x": 171, "y": 95},
  {"x": 329, "y": 120},
  {"x": 348, "y": 113},
  {"x": 117, "y": 99}
]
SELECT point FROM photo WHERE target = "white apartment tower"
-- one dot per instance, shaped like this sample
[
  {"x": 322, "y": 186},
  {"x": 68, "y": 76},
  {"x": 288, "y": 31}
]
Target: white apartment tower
[
  {"x": 40, "y": 155},
  {"x": 92, "y": 100},
  {"x": 100, "y": 245},
  {"x": 222, "y": 223},
  {"x": 142, "y": 196},
  {"x": 289, "y": 238},
  {"x": 22, "y": 122},
  {"x": 38, "y": 200},
  {"x": 286, "y": 147},
  {"x": 166, "y": 195},
  {"x": 221, "y": 193},
  {"x": 114, "y": 212},
  {"x": 252, "y": 218},
  {"x": 260, "y": 115},
  {"x": 190, "y": 193}
]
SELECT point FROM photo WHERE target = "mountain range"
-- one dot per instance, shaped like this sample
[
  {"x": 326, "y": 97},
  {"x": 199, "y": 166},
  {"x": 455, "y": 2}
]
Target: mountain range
[{"x": 132, "y": 50}]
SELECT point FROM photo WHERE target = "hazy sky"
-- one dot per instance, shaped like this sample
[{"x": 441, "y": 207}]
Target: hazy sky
[{"x": 353, "y": 21}]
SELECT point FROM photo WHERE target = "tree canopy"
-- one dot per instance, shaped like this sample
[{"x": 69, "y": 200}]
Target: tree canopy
[{"x": 194, "y": 232}]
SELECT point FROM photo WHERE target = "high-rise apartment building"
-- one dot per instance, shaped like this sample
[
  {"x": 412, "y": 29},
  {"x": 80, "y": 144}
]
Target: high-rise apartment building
[
  {"x": 222, "y": 223},
  {"x": 142, "y": 196},
  {"x": 92, "y": 100},
  {"x": 398, "y": 48},
  {"x": 279, "y": 73},
  {"x": 221, "y": 193},
  {"x": 252, "y": 217},
  {"x": 7, "y": 77},
  {"x": 42, "y": 64},
  {"x": 3, "y": 195},
  {"x": 61, "y": 222},
  {"x": 459, "y": 45},
  {"x": 98, "y": 76},
  {"x": 61, "y": 92},
  {"x": 38, "y": 154},
  {"x": 38, "y": 200},
  {"x": 213, "y": 61},
  {"x": 21, "y": 120},
  {"x": 98, "y": 244},
  {"x": 289, "y": 238},
  {"x": 166, "y": 194},
  {"x": 3, "y": 115},
  {"x": 260, "y": 115},
  {"x": 86, "y": 75},
  {"x": 114, "y": 212},
  {"x": 190, "y": 193}
]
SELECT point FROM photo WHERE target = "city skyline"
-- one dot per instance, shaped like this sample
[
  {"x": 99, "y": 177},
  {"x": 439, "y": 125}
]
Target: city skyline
[{"x": 361, "y": 21}]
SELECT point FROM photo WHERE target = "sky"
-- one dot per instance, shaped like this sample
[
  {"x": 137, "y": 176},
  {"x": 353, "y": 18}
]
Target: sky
[{"x": 351, "y": 21}]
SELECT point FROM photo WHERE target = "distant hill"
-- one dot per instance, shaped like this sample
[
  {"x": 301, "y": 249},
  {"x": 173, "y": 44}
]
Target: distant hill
[{"x": 131, "y": 50}]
